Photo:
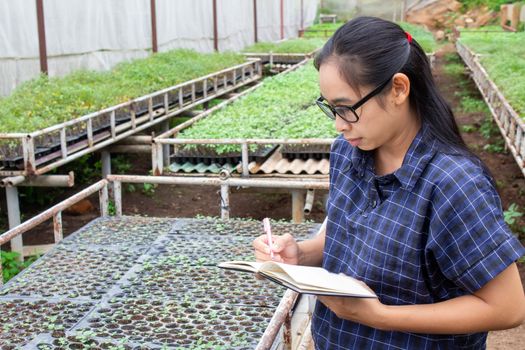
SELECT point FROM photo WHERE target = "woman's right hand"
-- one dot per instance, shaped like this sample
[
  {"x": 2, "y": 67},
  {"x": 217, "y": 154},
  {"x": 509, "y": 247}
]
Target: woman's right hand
[{"x": 285, "y": 249}]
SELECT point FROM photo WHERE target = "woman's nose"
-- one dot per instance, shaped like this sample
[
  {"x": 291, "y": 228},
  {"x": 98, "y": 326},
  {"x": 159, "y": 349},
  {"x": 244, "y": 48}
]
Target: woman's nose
[{"x": 341, "y": 124}]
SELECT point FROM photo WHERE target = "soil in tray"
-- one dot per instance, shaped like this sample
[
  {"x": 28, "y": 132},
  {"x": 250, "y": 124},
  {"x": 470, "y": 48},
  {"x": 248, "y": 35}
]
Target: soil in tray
[
  {"x": 206, "y": 155},
  {"x": 187, "y": 323}
]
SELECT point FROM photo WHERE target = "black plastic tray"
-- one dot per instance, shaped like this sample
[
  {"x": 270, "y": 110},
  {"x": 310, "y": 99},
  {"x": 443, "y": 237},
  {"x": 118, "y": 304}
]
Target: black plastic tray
[
  {"x": 306, "y": 152},
  {"x": 208, "y": 156}
]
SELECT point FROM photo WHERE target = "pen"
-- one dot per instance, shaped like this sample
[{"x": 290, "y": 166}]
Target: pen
[{"x": 268, "y": 230}]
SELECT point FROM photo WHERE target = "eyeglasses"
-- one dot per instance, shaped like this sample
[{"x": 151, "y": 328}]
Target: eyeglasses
[{"x": 348, "y": 113}]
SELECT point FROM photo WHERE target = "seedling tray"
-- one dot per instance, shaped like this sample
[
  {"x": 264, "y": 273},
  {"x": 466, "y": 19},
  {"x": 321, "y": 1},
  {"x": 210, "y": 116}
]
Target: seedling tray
[
  {"x": 22, "y": 319},
  {"x": 143, "y": 283},
  {"x": 306, "y": 152},
  {"x": 208, "y": 156}
]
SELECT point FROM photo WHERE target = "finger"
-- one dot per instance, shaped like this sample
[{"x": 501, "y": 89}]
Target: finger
[
  {"x": 281, "y": 242},
  {"x": 277, "y": 258},
  {"x": 260, "y": 257},
  {"x": 261, "y": 240},
  {"x": 261, "y": 244}
]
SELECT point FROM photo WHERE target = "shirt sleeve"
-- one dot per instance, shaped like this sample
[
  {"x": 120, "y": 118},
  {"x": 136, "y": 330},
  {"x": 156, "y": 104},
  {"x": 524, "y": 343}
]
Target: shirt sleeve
[{"x": 468, "y": 236}]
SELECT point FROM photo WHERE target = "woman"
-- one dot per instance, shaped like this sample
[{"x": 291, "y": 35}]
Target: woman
[{"x": 411, "y": 212}]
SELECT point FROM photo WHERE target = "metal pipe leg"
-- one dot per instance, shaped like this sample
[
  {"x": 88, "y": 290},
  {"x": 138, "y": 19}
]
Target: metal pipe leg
[
  {"x": 165, "y": 126},
  {"x": 106, "y": 163},
  {"x": 309, "y": 203},
  {"x": 13, "y": 212},
  {"x": 225, "y": 202},
  {"x": 298, "y": 206}
]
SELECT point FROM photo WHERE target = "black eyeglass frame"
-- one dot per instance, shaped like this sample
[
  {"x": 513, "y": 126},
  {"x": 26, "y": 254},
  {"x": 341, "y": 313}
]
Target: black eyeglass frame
[{"x": 353, "y": 108}]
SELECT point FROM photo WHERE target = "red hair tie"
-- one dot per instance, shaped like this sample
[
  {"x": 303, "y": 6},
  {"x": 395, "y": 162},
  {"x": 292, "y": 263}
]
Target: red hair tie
[{"x": 409, "y": 37}]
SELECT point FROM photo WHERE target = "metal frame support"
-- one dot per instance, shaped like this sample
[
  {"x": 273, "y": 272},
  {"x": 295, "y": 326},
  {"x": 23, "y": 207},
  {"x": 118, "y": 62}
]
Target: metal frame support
[
  {"x": 157, "y": 158},
  {"x": 164, "y": 127},
  {"x": 40, "y": 181},
  {"x": 302, "y": 15},
  {"x": 57, "y": 227},
  {"x": 28, "y": 150},
  {"x": 298, "y": 206},
  {"x": 309, "y": 202},
  {"x": 244, "y": 157},
  {"x": 13, "y": 213},
  {"x": 16, "y": 231},
  {"x": 282, "y": 19},
  {"x": 106, "y": 163},
  {"x": 41, "y": 35},
  {"x": 215, "y": 26},
  {"x": 154, "y": 46},
  {"x": 255, "y": 34},
  {"x": 278, "y": 320},
  {"x": 225, "y": 202},
  {"x": 103, "y": 200},
  {"x": 117, "y": 195},
  {"x": 296, "y": 187}
]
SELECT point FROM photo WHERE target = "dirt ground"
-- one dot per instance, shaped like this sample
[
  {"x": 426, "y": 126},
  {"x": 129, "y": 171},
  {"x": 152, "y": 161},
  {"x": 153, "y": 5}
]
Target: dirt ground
[{"x": 177, "y": 201}]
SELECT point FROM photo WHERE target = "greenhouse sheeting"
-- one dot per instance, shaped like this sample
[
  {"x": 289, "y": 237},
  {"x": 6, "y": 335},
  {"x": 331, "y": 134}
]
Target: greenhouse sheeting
[{"x": 97, "y": 34}]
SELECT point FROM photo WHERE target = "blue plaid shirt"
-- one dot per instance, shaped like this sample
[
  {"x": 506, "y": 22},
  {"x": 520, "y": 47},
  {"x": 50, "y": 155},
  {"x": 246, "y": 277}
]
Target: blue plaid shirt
[{"x": 431, "y": 231}]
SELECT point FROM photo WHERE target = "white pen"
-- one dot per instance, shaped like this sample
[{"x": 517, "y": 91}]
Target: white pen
[{"x": 268, "y": 230}]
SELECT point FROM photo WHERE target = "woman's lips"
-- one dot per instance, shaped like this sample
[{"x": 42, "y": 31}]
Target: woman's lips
[{"x": 355, "y": 142}]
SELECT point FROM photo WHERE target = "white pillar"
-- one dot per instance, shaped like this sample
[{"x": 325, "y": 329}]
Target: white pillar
[{"x": 13, "y": 213}]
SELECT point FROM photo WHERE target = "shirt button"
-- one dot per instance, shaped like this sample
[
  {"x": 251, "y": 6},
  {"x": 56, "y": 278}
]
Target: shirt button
[{"x": 373, "y": 204}]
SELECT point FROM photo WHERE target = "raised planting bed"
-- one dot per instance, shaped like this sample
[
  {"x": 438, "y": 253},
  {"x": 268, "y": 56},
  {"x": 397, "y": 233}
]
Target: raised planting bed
[
  {"x": 497, "y": 62},
  {"x": 143, "y": 283},
  {"x": 284, "y": 54},
  {"x": 28, "y": 151},
  {"x": 207, "y": 156},
  {"x": 320, "y": 30},
  {"x": 268, "y": 112}
]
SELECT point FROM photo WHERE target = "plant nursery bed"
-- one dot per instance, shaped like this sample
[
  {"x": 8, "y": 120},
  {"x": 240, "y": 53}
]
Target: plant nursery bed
[
  {"x": 143, "y": 283},
  {"x": 280, "y": 56},
  {"x": 269, "y": 112},
  {"x": 500, "y": 81},
  {"x": 207, "y": 155},
  {"x": 24, "y": 152}
]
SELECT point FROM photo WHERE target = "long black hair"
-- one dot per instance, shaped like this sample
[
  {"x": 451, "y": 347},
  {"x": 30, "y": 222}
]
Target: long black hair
[{"x": 369, "y": 50}]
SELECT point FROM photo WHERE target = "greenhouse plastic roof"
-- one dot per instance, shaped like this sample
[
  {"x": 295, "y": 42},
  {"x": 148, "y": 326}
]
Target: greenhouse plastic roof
[
  {"x": 123, "y": 32},
  {"x": 143, "y": 283}
]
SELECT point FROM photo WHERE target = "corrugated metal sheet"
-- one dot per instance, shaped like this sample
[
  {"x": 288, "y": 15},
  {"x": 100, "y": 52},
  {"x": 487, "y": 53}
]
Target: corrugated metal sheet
[
  {"x": 200, "y": 167},
  {"x": 275, "y": 164}
]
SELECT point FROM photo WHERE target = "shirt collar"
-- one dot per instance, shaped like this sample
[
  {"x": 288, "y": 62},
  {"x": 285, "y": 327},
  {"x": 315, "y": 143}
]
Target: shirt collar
[
  {"x": 416, "y": 159},
  {"x": 360, "y": 160}
]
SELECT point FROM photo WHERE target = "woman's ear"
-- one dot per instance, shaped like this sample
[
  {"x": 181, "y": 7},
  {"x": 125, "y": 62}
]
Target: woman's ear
[{"x": 400, "y": 88}]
